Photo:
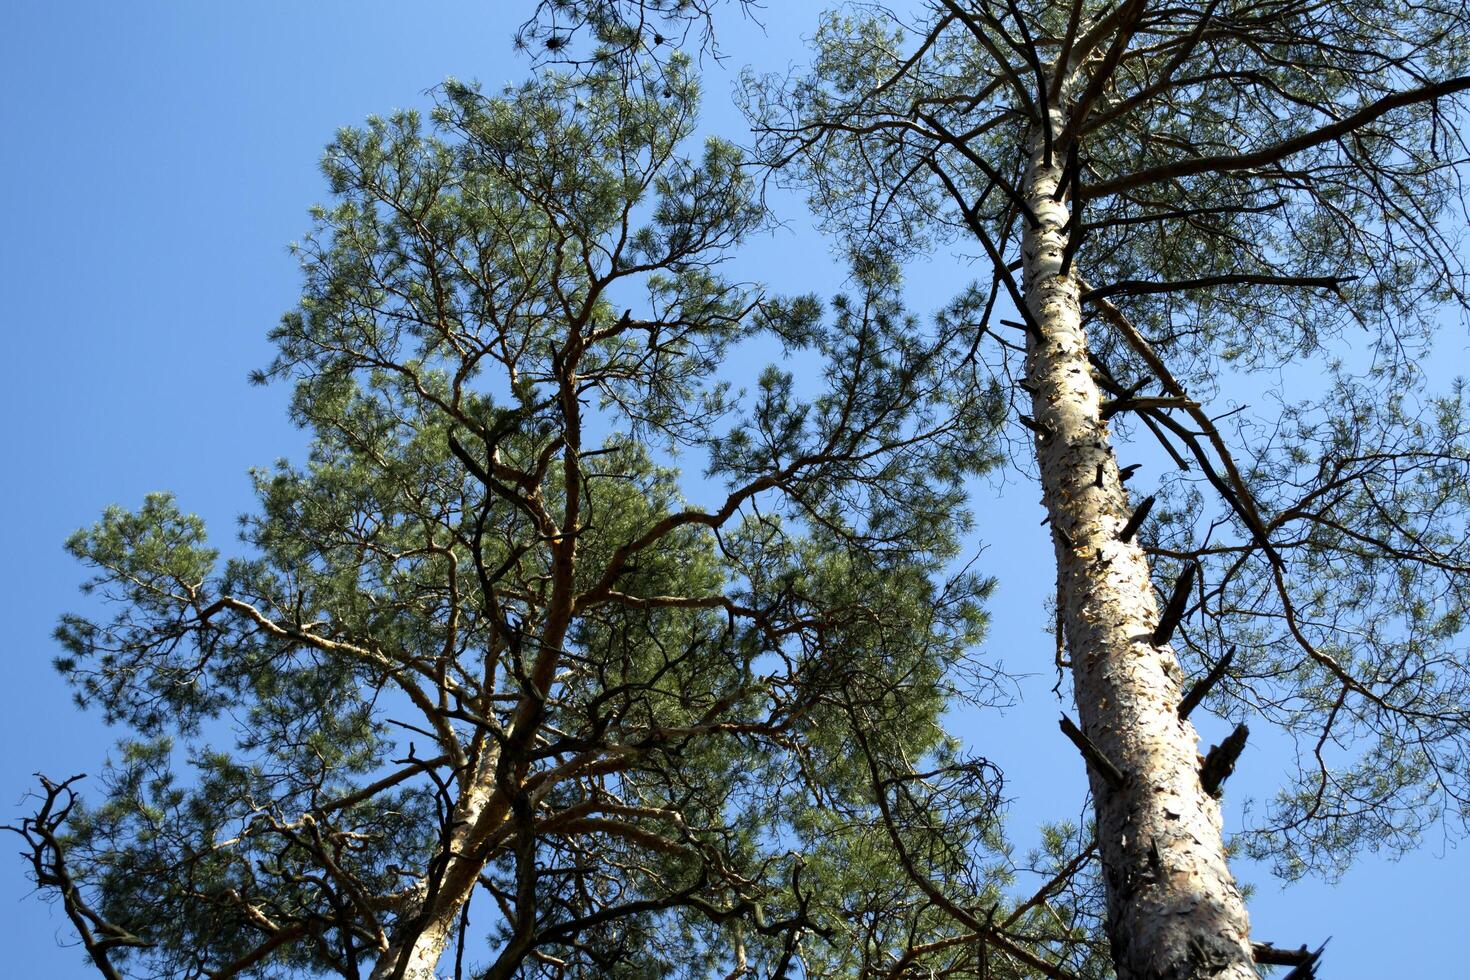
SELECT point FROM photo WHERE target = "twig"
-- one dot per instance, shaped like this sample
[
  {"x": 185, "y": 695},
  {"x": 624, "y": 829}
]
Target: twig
[
  {"x": 1136, "y": 519},
  {"x": 1202, "y": 687},
  {"x": 1307, "y": 969},
  {"x": 1174, "y": 609},
  {"x": 1110, "y": 773},
  {"x": 1220, "y": 761}
]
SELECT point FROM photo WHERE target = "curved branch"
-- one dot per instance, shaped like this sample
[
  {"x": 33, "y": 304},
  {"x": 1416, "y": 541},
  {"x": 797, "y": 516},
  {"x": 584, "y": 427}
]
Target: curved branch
[{"x": 1226, "y": 163}]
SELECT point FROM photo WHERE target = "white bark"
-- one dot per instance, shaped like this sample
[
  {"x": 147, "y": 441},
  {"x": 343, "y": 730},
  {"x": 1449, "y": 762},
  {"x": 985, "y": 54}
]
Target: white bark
[
  {"x": 423, "y": 957},
  {"x": 482, "y": 815},
  {"x": 422, "y": 949},
  {"x": 1174, "y": 911}
]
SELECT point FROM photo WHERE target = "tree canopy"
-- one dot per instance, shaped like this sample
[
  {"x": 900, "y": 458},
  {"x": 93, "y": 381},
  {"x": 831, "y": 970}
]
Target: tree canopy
[
  {"x": 1257, "y": 191},
  {"x": 1175, "y": 199},
  {"x": 480, "y": 642},
  {"x": 668, "y": 738}
]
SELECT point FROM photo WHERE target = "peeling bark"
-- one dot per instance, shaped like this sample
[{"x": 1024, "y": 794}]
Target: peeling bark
[
  {"x": 482, "y": 817},
  {"x": 1174, "y": 911},
  {"x": 425, "y": 934},
  {"x": 421, "y": 957}
]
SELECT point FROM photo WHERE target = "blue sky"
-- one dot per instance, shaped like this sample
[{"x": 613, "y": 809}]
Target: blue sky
[{"x": 158, "y": 157}]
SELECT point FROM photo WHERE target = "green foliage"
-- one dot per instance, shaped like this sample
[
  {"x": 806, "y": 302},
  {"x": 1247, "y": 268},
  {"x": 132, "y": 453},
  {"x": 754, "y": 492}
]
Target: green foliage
[
  {"x": 481, "y": 640},
  {"x": 1227, "y": 246}
]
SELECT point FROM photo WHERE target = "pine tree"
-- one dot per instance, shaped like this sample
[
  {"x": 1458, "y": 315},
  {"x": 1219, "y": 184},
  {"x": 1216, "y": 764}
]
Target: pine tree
[
  {"x": 1182, "y": 203},
  {"x": 481, "y": 644},
  {"x": 1184, "y": 206},
  {"x": 1174, "y": 198}
]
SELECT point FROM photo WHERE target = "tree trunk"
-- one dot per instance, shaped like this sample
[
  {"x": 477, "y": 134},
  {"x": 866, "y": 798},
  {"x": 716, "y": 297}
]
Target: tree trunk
[
  {"x": 422, "y": 957},
  {"x": 1174, "y": 911},
  {"x": 421, "y": 943},
  {"x": 482, "y": 817}
]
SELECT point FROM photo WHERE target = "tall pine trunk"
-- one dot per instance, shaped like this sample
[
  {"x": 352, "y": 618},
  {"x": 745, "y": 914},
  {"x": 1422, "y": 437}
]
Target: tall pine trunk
[
  {"x": 1174, "y": 911},
  {"x": 423, "y": 955},
  {"x": 492, "y": 805},
  {"x": 424, "y": 936},
  {"x": 480, "y": 818}
]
